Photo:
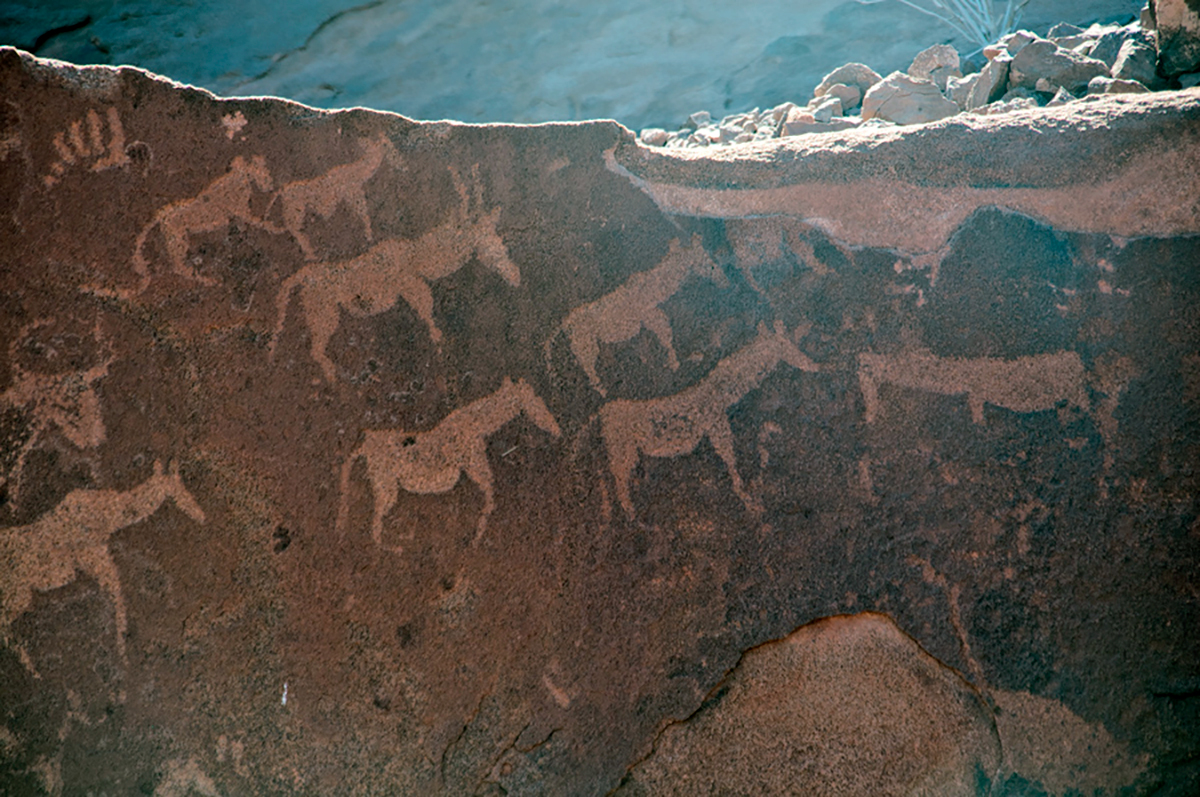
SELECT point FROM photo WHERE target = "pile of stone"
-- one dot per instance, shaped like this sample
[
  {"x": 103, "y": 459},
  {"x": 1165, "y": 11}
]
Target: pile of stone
[{"x": 1022, "y": 70}]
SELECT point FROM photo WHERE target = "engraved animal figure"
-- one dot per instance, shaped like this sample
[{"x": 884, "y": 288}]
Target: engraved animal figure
[
  {"x": 1025, "y": 384},
  {"x": 619, "y": 316},
  {"x": 672, "y": 426},
  {"x": 73, "y": 537},
  {"x": 76, "y": 146},
  {"x": 369, "y": 284},
  {"x": 323, "y": 194},
  {"x": 66, "y": 401},
  {"x": 433, "y": 461},
  {"x": 224, "y": 200}
]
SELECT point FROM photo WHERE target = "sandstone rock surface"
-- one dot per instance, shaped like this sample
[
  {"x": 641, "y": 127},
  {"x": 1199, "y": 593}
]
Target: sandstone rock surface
[{"x": 347, "y": 454}]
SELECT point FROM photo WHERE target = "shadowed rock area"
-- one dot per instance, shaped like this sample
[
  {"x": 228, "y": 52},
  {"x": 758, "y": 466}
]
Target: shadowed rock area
[{"x": 346, "y": 454}]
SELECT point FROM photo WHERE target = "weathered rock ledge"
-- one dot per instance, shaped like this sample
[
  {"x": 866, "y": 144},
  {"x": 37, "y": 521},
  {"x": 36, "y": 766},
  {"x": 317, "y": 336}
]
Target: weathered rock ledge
[{"x": 347, "y": 454}]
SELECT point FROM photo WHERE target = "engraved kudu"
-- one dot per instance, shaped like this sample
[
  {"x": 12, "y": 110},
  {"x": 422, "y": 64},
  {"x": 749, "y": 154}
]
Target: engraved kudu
[
  {"x": 73, "y": 537},
  {"x": 64, "y": 400},
  {"x": 369, "y": 284},
  {"x": 672, "y": 426},
  {"x": 323, "y": 194},
  {"x": 226, "y": 199},
  {"x": 433, "y": 461},
  {"x": 620, "y": 315}
]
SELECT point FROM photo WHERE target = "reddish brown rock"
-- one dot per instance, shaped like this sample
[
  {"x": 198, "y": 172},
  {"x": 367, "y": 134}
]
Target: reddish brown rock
[
  {"x": 1177, "y": 23},
  {"x": 344, "y": 453}
]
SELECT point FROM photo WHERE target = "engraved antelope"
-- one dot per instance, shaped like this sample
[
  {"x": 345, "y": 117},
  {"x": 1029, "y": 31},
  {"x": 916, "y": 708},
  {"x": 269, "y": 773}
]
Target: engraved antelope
[
  {"x": 323, "y": 194},
  {"x": 226, "y": 199},
  {"x": 73, "y": 537},
  {"x": 369, "y": 284},
  {"x": 620, "y": 315},
  {"x": 672, "y": 426},
  {"x": 66, "y": 400},
  {"x": 1025, "y": 384},
  {"x": 433, "y": 461}
]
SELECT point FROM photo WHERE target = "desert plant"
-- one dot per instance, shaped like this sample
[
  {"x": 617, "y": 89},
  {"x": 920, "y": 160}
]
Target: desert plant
[{"x": 981, "y": 21}]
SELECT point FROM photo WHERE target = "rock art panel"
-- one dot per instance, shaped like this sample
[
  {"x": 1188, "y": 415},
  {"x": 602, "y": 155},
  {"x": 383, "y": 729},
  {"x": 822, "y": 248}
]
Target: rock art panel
[
  {"x": 948, "y": 374},
  {"x": 434, "y": 461},
  {"x": 673, "y": 426},
  {"x": 73, "y": 538}
]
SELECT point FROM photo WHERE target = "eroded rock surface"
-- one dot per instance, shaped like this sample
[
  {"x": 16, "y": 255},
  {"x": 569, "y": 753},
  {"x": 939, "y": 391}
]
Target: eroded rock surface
[{"x": 349, "y": 454}]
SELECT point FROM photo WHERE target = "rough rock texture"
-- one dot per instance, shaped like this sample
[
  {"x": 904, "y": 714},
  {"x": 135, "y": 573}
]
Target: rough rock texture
[
  {"x": 1178, "y": 25},
  {"x": 1042, "y": 59},
  {"x": 345, "y": 454},
  {"x": 906, "y": 100}
]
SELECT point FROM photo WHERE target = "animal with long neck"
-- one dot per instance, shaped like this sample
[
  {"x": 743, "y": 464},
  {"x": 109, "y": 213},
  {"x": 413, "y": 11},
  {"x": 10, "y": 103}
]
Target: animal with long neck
[
  {"x": 66, "y": 401},
  {"x": 369, "y": 284},
  {"x": 322, "y": 195},
  {"x": 620, "y": 315},
  {"x": 673, "y": 426},
  {"x": 226, "y": 199},
  {"x": 433, "y": 461},
  {"x": 73, "y": 537}
]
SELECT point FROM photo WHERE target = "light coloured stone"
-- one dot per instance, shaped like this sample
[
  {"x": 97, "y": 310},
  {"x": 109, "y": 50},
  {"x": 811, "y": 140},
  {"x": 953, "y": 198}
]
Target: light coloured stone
[
  {"x": 936, "y": 64},
  {"x": 654, "y": 136},
  {"x": 1107, "y": 85},
  {"x": 803, "y": 128},
  {"x": 1006, "y": 106},
  {"x": 851, "y": 96},
  {"x": 1011, "y": 44},
  {"x": 859, "y": 75},
  {"x": 1137, "y": 62},
  {"x": 991, "y": 83},
  {"x": 1044, "y": 59},
  {"x": 902, "y": 99},
  {"x": 828, "y": 108},
  {"x": 1108, "y": 46},
  {"x": 959, "y": 88},
  {"x": 1061, "y": 97},
  {"x": 699, "y": 119}
]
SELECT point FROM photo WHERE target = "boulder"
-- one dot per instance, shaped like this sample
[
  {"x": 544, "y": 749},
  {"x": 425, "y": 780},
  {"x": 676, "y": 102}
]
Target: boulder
[
  {"x": 827, "y": 108},
  {"x": 937, "y": 63},
  {"x": 851, "y": 96},
  {"x": 1108, "y": 45},
  {"x": 1011, "y": 44},
  {"x": 991, "y": 83},
  {"x": 1137, "y": 62},
  {"x": 1107, "y": 85},
  {"x": 905, "y": 100},
  {"x": 1178, "y": 26},
  {"x": 654, "y": 136},
  {"x": 1043, "y": 59},
  {"x": 859, "y": 75},
  {"x": 959, "y": 88}
]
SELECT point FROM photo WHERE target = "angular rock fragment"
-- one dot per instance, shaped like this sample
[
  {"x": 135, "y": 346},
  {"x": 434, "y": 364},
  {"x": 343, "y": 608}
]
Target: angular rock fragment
[
  {"x": 1178, "y": 26},
  {"x": 958, "y": 89},
  {"x": 991, "y": 83},
  {"x": 851, "y": 96},
  {"x": 1137, "y": 62},
  {"x": 904, "y": 100},
  {"x": 859, "y": 75},
  {"x": 827, "y": 108},
  {"x": 654, "y": 136},
  {"x": 1043, "y": 59},
  {"x": 1107, "y": 85},
  {"x": 1108, "y": 45},
  {"x": 938, "y": 64}
]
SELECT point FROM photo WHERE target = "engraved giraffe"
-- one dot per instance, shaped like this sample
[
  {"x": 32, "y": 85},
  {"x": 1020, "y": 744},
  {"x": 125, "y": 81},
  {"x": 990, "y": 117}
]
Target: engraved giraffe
[
  {"x": 1024, "y": 384},
  {"x": 369, "y": 284},
  {"x": 433, "y": 461},
  {"x": 620, "y": 315},
  {"x": 66, "y": 401},
  {"x": 673, "y": 426},
  {"x": 73, "y": 537},
  {"x": 224, "y": 200},
  {"x": 323, "y": 194}
]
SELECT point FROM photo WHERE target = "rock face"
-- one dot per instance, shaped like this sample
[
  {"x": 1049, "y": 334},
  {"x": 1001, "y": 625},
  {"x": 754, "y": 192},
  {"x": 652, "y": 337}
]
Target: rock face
[
  {"x": 345, "y": 454},
  {"x": 1178, "y": 26}
]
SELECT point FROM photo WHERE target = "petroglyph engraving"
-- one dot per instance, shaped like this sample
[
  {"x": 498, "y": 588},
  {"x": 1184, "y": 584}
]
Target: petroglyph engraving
[
  {"x": 369, "y": 284},
  {"x": 433, "y": 461},
  {"x": 80, "y": 144},
  {"x": 674, "y": 425},
  {"x": 1025, "y": 384},
  {"x": 619, "y": 316},
  {"x": 323, "y": 194},
  {"x": 224, "y": 200},
  {"x": 66, "y": 401},
  {"x": 74, "y": 536}
]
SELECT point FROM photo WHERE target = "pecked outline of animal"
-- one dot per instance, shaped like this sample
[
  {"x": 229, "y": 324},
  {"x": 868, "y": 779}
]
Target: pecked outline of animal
[
  {"x": 66, "y": 400},
  {"x": 369, "y": 284},
  {"x": 222, "y": 201},
  {"x": 433, "y": 461},
  {"x": 1024, "y": 384},
  {"x": 72, "y": 537},
  {"x": 672, "y": 426},
  {"x": 620, "y": 315},
  {"x": 323, "y": 194}
]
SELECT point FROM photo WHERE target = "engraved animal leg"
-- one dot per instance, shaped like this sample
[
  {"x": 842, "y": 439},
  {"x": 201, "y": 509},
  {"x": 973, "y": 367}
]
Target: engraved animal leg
[
  {"x": 358, "y": 203},
  {"x": 294, "y": 210},
  {"x": 586, "y": 349},
  {"x": 96, "y": 562},
  {"x": 479, "y": 471},
  {"x": 622, "y": 459},
  {"x": 975, "y": 402},
  {"x": 322, "y": 323},
  {"x": 386, "y": 489},
  {"x": 722, "y": 439},
  {"x": 870, "y": 392},
  {"x": 657, "y": 322},
  {"x": 415, "y": 291}
]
